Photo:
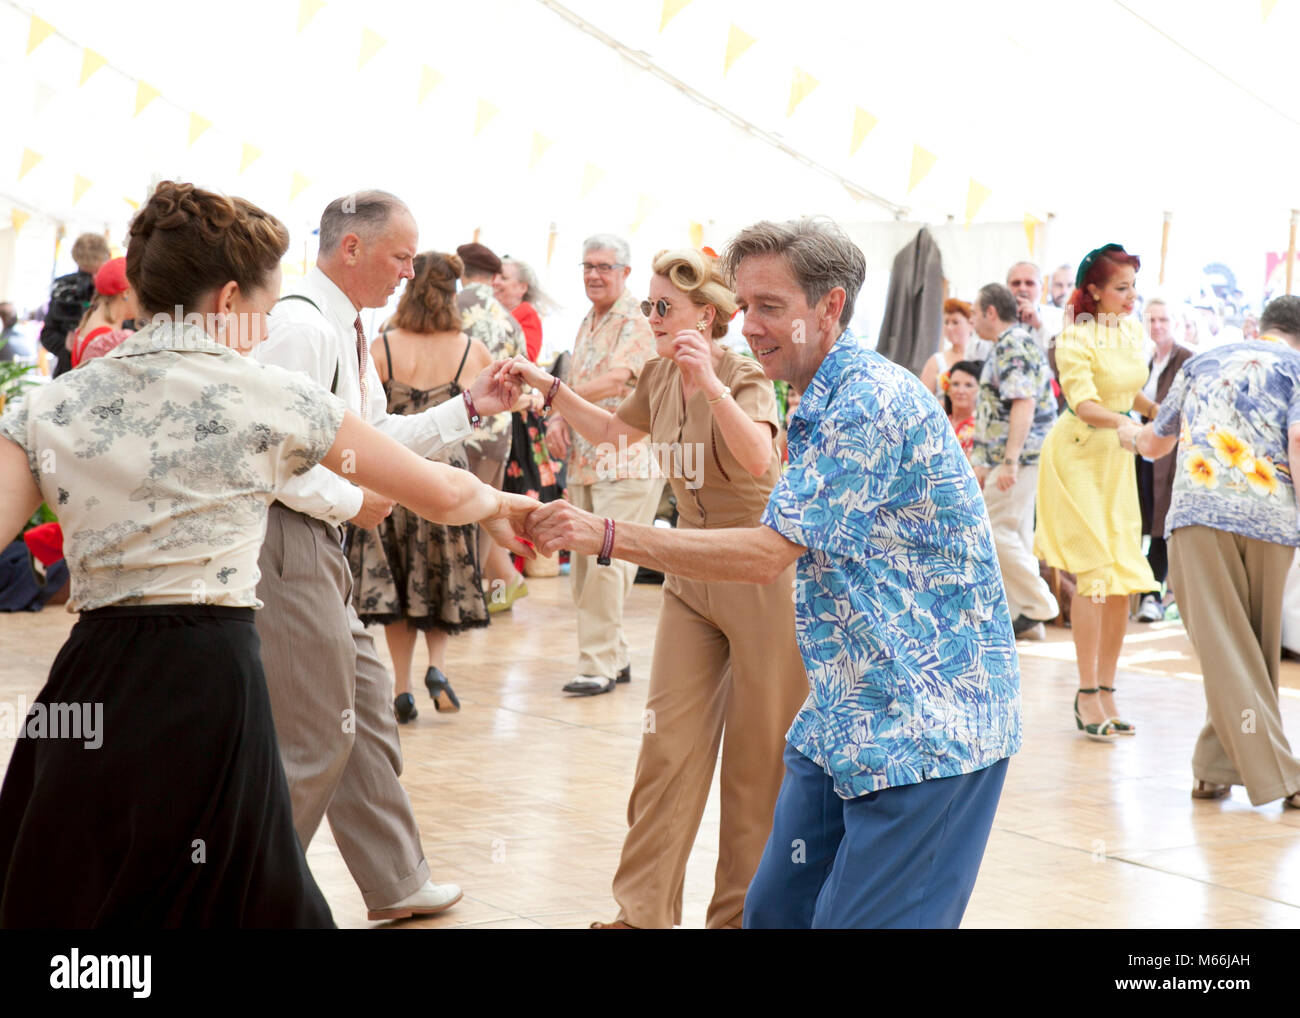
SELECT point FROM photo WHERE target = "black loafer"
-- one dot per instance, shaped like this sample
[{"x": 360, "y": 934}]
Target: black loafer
[
  {"x": 444, "y": 697},
  {"x": 404, "y": 707},
  {"x": 624, "y": 674},
  {"x": 589, "y": 685}
]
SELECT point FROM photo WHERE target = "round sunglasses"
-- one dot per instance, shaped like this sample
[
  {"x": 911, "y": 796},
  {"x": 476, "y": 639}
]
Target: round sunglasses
[{"x": 659, "y": 306}]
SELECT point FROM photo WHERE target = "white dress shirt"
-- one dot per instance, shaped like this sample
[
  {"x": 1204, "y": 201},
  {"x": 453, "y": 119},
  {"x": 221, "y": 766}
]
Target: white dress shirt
[{"x": 319, "y": 343}]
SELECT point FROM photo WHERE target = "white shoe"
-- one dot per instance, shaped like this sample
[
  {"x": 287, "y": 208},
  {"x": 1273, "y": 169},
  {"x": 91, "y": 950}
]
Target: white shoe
[
  {"x": 1035, "y": 633},
  {"x": 589, "y": 685},
  {"x": 1151, "y": 610},
  {"x": 428, "y": 900}
]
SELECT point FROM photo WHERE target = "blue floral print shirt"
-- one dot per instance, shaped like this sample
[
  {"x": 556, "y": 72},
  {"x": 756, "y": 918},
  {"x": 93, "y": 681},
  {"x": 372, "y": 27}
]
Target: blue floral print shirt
[
  {"x": 1236, "y": 404},
  {"x": 899, "y": 607}
]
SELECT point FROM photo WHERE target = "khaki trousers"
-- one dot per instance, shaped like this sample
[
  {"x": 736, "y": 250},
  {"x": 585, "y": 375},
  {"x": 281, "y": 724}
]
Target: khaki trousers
[
  {"x": 1012, "y": 515},
  {"x": 727, "y": 672},
  {"x": 1230, "y": 597},
  {"x": 599, "y": 591},
  {"x": 331, "y": 698}
]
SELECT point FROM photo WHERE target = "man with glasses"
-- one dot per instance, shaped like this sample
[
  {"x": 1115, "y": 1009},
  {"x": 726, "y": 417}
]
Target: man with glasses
[{"x": 613, "y": 342}]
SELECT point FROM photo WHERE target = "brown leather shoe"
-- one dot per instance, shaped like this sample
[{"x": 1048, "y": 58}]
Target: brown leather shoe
[
  {"x": 1209, "y": 790},
  {"x": 617, "y": 924}
]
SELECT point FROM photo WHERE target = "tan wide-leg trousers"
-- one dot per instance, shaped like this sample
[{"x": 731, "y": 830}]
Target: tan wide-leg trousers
[
  {"x": 726, "y": 672},
  {"x": 331, "y": 698},
  {"x": 599, "y": 591},
  {"x": 1012, "y": 515},
  {"x": 1230, "y": 597}
]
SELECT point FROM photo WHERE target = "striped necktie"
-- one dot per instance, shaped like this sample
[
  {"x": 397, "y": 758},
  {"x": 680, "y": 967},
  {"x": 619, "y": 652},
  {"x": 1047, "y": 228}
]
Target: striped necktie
[{"x": 361, "y": 366}]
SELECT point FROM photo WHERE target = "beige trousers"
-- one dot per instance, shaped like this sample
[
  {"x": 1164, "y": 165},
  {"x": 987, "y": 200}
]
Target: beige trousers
[
  {"x": 331, "y": 698},
  {"x": 727, "y": 672},
  {"x": 1012, "y": 515},
  {"x": 599, "y": 591},
  {"x": 1230, "y": 597}
]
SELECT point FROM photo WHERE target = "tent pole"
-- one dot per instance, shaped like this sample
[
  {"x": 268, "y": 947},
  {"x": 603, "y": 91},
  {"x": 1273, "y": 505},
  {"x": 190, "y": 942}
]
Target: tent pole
[
  {"x": 1290, "y": 251},
  {"x": 1164, "y": 247}
]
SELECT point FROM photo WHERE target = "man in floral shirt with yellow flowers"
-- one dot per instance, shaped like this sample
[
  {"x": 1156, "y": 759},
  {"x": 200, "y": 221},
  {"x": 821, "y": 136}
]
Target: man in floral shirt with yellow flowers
[
  {"x": 613, "y": 343},
  {"x": 1233, "y": 530}
]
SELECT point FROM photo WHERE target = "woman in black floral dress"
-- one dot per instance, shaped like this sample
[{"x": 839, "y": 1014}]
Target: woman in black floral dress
[{"x": 409, "y": 574}]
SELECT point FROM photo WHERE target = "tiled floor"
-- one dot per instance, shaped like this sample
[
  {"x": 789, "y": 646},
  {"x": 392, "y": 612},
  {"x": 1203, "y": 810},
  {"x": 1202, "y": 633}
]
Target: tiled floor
[{"x": 522, "y": 796}]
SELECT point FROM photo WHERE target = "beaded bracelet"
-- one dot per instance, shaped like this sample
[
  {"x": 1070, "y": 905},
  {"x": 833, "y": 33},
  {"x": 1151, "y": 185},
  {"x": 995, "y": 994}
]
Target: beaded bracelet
[
  {"x": 546, "y": 406},
  {"x": 474, "y": 419},
  {"x": 603, "y": 558}
]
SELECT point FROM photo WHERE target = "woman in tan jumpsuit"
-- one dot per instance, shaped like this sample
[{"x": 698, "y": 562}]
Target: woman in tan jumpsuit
[{"x": 726, "y": 669}]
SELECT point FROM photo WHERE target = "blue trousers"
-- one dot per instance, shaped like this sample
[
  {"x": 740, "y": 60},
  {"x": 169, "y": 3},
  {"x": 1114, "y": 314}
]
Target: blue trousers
[{"x": 901, "y": 858}]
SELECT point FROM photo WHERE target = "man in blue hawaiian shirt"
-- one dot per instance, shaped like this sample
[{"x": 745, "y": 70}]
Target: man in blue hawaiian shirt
[
  {"x": 1234, "y": 413},
  {"x": 895, "y": 764}
]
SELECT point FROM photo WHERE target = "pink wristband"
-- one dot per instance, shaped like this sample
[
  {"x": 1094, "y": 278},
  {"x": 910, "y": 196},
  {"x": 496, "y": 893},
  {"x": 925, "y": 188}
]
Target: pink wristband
[{"x": 603, "y": 558}]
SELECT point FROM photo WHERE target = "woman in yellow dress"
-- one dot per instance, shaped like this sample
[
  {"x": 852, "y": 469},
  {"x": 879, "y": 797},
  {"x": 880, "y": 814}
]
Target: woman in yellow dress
[{"x": 1089, "y": 522}]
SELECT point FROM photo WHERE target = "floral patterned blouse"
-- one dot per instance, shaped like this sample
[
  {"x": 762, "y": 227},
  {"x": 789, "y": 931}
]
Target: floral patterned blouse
[
  {"x": 899, "y": 609},
  {"x": 1236, "y": 404},
  {"x": 485, "y": 318},
  {"x": 161, "y": 459}
]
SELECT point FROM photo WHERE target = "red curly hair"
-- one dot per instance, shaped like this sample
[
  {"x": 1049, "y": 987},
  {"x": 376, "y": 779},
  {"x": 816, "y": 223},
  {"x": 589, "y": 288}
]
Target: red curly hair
[{"x": 1099, "y": 274}]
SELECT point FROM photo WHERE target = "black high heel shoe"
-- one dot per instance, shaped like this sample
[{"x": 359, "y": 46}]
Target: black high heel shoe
[
  {"x": 404, "y": 708},
  {"x": 445, "y": 700}
]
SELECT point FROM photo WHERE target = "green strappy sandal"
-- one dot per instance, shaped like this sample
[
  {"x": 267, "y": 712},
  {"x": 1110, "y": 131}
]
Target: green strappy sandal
[
  {"x": 1121, "y": 727},
  {"x": 1101, "y": 731}
]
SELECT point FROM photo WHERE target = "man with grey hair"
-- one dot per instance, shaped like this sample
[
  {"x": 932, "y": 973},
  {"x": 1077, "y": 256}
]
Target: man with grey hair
[
  {"x": 896, "y": 762},
  {"x": 1042, "y": 321},
  {"x": 1014, "y": 411},
  {"x": 614, "y": 341},
  {"x": 330, "y": 693}
]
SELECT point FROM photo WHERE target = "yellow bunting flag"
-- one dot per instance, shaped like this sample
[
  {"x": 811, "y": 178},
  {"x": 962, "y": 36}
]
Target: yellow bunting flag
[
  {"x": 737, "y": 42},
  {"x": 371, "y": 43},
  {"x": 30, "y": 159},
  {"x": 429, "y": 80},
  {"x": 90, "y": 63},
  {"x": 591, "y": 174},
  {"x": 249, "y": 156},
  {"x": 131, "y": 201},
  {"x": 644, "y": 206},
  {"x": 198, "y": 125},
  {"x": 80, "y": 185},
  {"x": 800, "y": 88},
  {"x": 672, "y": 8},
  {"x": 38, "y": 32},
  {"x": 863, "y": 122},
  {"x": 483, "y": 113},
  {"x": 307, "y": 9},
  {"x": 144, "y": 95},
  {"x": 1265, "y": 9},
  {"x": 697, "y": 235},
  {"x": 922, "y": 163},
  {"x": 1031, "y": 234},
  {"x": 18, "y": 218},
  {"x": 540, "y": 144},
  {"x": 298, "y": 185},
  {"x": 976, "y": 195}
]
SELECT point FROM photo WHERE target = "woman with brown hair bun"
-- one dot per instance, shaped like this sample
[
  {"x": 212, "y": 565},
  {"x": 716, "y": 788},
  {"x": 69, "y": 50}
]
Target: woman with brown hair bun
[
  {"x": 963, "y": 345},
  {"x": 409, "y": 574},
  {"x": 166, "y": 804},
  {"x": 727, "y": 672}
]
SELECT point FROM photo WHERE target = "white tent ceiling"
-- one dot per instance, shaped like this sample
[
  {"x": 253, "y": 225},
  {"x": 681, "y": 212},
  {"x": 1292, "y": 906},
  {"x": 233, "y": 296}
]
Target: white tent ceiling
[{"x": 508, "y": 116}]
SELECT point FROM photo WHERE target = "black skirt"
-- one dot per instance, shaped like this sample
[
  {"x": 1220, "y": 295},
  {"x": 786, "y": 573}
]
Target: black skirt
[{"x": 168, "y": 807}]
